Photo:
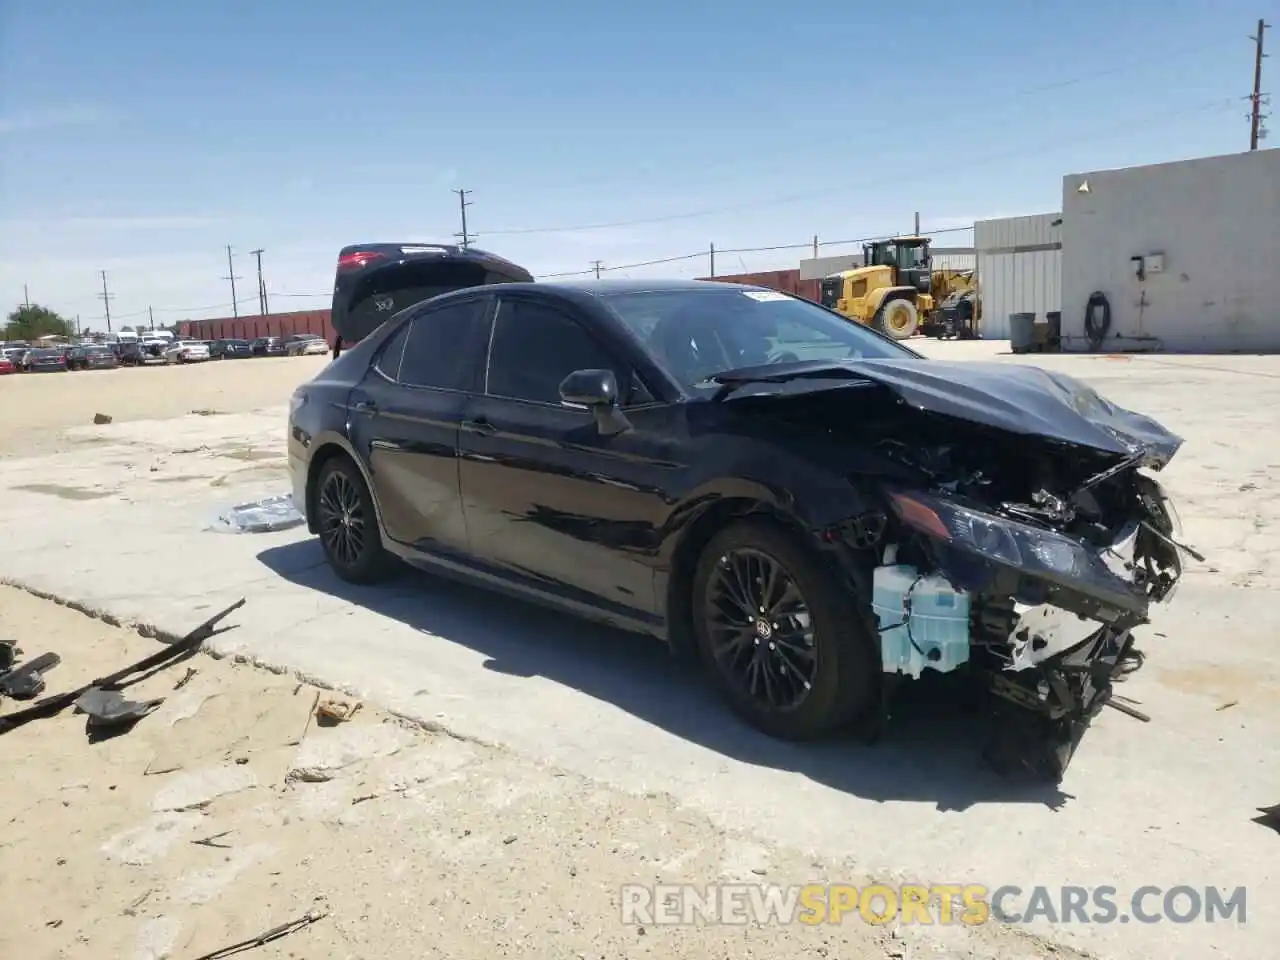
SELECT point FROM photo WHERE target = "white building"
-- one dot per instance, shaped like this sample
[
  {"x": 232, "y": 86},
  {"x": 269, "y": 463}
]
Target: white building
[
  {"x": 1185, "y": 254},
  {"x": 1019, "y": 269}
]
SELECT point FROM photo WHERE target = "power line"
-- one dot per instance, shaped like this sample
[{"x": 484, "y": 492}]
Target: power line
[
  {"x": 463, "y": 203},
  {"x": 848, "y": 186},
  {"x": 1256, "y": 130},
  {"x": 106, "y": 297},
  {"x": 231, "y": 275}
]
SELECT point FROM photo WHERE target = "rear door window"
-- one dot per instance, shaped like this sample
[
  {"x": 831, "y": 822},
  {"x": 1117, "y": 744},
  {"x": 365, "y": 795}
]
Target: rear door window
[{"x": 444, "y": 345}]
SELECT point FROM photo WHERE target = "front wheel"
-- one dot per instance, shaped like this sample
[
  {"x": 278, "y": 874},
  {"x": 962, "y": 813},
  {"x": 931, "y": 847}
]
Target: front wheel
[
  {"x": 348, "y": 525},
  {"x": 898, "y": 319},
  {"x": 785, "y": 642}
]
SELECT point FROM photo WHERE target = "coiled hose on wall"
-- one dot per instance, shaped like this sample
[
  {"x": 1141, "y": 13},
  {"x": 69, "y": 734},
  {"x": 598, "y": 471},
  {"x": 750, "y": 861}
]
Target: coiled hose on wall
[{"x": 1097, "y": 319}]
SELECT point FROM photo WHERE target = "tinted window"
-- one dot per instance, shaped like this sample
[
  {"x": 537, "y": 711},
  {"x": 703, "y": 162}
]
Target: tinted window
[
  {"x": 389, "y": 357},
  {"x": 535, "y": 347},
  {"x": 696, "y": 334},
  {"x": 440, "y": 349}
]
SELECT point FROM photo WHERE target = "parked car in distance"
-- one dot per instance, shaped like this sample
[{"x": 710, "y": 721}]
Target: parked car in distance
[
  {"x": 7, "y": 365},
  {"x": 814, "y": 509},
  {"x": 230, "y": 349},
  {"x": 91, "y": 357},
  {"x": 45, "y": 360},
  {"x": 305, "y": 344},
  {"x": 268, "y": 347},
  {"x": 186, "y": 351},
  {"x": 130, "y": 353}
]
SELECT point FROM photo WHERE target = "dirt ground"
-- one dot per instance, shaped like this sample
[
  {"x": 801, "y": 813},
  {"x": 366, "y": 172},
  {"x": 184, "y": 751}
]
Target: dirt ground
[
  {"x": 231, "y": 810},
  {"x": 49, "y": 402}
]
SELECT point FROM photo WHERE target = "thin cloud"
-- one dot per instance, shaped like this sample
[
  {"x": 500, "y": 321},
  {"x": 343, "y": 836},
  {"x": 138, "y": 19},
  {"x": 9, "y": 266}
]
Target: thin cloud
[{"x": 74, "y": 116}]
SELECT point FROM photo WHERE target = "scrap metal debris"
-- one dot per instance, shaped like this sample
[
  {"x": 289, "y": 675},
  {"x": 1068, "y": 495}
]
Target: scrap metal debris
[
  {"x": 262, "y": 939},
  {"x": 107, "y": 708},
  {"x": 26, "y": 680},
  {"x": 1270, "y": 817},
  {"x": 121, "y": 679},
  {"x": 260, "y": 516}
]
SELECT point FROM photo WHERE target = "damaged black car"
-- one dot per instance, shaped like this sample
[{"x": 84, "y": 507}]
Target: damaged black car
[{"x": 813, "y": 510}]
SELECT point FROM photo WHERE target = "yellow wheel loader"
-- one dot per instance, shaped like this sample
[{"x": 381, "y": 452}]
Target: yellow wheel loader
[{"x": 897, "y": 291}]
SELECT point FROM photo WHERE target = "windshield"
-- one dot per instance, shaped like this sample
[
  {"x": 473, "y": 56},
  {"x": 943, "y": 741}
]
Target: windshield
[{"x": 697, "y": 334}]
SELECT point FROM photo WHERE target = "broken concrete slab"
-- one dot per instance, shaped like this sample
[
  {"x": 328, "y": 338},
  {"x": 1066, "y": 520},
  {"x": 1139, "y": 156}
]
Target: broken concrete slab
[
  {"x": 325, "y": 754},
  {"x": 198, "y": 788}
]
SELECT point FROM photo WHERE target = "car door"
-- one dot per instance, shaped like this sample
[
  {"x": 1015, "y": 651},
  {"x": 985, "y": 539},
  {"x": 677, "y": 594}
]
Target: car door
[
  {"x": 405, "y": 418},
  {"x": 549, "y": 500}
]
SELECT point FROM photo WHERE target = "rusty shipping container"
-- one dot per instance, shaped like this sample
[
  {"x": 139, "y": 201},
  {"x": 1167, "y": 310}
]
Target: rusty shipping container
[
  {"x": 249, "y": 328},
  {"x": 784, "y": 281}
]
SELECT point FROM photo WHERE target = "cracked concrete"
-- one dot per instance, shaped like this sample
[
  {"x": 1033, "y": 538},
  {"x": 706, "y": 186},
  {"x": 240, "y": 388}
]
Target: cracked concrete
[{"x": 1165, "y": 803}]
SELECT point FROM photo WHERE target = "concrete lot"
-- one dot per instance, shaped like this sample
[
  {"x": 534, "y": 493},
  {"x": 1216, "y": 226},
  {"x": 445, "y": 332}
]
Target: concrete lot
[{"x": 113, "y": 518}]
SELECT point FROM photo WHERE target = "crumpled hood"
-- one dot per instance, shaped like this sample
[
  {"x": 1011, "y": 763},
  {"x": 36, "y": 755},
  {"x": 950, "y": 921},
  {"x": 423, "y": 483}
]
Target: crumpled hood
[{"x": 1009, "y": 396}]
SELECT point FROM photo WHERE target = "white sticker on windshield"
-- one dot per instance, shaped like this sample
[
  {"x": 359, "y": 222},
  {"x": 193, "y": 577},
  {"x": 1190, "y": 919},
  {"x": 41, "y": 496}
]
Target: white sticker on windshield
[{"x": 765, "y": 296}]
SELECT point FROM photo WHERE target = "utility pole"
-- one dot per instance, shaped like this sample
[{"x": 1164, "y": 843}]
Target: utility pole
[
  {"x": 463, "y": 203},
  {"x": 917, "y": 233},
  {"x": 106, "y": 297},
  {"x": 1256, "y": 116},
  {"x": 231, "y": 275},
  {"x": 262, "y": 286},
  {"x": 26, "y": 298},
  {"x": 596, "y": 265},
  {"x": 151, "y": 317}
]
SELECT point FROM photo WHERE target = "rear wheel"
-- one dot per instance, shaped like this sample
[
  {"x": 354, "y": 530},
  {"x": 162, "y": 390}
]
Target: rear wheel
[
  {"x": 783, "y": 640},
  {"x": 898, "y": 319},
  {"x": 348, "y": 525}
]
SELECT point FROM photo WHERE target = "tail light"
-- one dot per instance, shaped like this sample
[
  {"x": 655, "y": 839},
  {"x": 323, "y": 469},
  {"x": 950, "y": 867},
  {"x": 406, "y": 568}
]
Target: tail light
[{"x": 361, "y": 258}]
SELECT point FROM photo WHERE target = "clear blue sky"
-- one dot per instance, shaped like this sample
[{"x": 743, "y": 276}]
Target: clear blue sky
[{"x": 142, "y": 137}]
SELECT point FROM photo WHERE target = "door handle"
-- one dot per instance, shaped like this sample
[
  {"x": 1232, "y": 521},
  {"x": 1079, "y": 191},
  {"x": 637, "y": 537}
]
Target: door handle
[
  {"x": 364, "y": 406},
  {"x": 482, "y": 427}
]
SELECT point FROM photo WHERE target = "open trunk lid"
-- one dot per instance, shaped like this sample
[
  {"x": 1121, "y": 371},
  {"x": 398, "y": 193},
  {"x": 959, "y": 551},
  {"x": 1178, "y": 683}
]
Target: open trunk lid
[{"x": 376, "y": 280}]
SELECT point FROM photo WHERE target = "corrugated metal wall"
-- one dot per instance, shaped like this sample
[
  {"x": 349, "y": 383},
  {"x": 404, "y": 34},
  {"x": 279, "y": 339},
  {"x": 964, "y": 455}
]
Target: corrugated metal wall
[
  {"x": 786, "y": 281},
  {"x": 247, "y": 328},
  {"x": 1019, "y": 269}
]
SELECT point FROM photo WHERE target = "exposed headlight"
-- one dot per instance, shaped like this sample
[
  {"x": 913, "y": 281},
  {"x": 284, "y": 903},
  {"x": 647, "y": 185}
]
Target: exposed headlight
[{"x": 1005, "y": 541}]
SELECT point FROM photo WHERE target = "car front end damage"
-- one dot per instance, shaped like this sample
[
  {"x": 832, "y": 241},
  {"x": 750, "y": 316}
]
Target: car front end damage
[
  {"x": 1020, "y": 535},
  {"x": 1054, "y": 589}
]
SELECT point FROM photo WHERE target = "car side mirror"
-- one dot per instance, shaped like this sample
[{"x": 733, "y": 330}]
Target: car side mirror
[
  {"x": 590, "y": 388},
  {"x": 597, "y": 390}
]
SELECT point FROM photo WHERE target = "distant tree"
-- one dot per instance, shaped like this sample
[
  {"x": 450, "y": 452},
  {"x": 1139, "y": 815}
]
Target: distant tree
[
  {"x": 31, "y": 321},
  {"x": 124, "y": 329}
]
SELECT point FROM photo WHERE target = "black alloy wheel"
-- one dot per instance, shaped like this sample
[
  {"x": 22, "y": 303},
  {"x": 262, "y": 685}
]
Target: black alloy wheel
[
  {"x": 787, "y": 641},
  {"x": 760, "y": 629},
  {"x": 348, "y": 525}
]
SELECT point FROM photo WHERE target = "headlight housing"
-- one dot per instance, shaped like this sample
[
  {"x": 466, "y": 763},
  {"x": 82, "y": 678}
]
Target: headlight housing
[{"x": 1034, "y": 550}]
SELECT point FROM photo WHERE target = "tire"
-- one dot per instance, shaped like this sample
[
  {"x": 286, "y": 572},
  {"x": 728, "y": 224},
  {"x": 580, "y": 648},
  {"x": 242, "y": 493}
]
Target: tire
[
  {"x": 844, "y": 682},
  {"x": 340, "y": 490},
  {"x": 898, "y": 319}
]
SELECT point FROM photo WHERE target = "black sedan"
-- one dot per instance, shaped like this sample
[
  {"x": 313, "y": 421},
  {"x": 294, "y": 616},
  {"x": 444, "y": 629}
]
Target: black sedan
[
  {"x": 814, "y": 509},
  {"x": 268, "y": 347},
  {"x": 45, "y": 360},
  {"x": 231, "y": 349},
  {"x": 92, "y": 357}
]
